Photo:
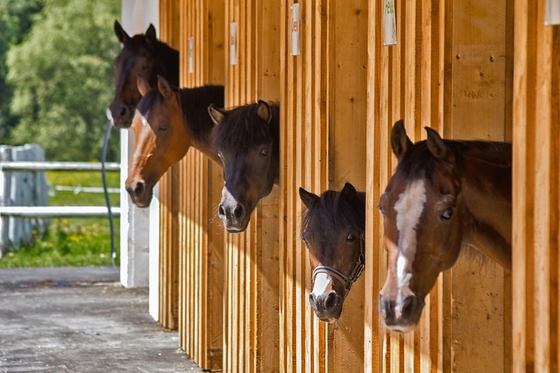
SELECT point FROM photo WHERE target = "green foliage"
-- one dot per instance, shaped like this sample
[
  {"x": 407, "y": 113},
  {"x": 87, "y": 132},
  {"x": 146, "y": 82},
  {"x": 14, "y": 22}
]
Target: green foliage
[
  {"x": 62, "y": 79},
  {"x": 15, "y": 21},
  {"x": 76, "y": 241}
]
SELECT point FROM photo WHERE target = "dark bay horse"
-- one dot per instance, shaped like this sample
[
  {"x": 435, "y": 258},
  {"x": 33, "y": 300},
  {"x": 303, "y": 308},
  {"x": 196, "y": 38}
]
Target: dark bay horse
[
  {"x": 167, "y": 122},
  {"x": 333, "y": 231},
  {"x": 140, "y": 54},
  {"x": 247, "y": 140},
  {"x": 443, "y": 194}
]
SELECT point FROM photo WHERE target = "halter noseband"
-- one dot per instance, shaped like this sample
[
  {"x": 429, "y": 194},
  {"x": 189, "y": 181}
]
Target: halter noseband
[{"x": 346, "y": 281}]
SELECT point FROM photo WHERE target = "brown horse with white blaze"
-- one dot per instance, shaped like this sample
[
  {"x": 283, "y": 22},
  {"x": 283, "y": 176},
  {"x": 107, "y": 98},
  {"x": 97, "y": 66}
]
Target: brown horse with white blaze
[
  {"x": 167, "y": 122},
  {"x": 443, "y": 194},
  {"x": 140, "y": 54}
]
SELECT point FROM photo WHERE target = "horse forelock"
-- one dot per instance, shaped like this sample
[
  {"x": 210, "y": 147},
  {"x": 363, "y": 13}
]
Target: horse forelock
[
  {"x": 153, "y": 97},
  {"x": 331, "y": 213},
  {"x": 242, "y": 129}
]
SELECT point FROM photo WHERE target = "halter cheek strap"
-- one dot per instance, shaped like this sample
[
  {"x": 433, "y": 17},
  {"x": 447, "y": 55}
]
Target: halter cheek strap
[{"x": 345, "y": 280}]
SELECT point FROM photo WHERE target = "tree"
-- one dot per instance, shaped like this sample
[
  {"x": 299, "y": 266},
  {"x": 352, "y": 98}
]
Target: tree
[
  {"x": 62, "y": 79},
  {"x": 15, "y": 21}
]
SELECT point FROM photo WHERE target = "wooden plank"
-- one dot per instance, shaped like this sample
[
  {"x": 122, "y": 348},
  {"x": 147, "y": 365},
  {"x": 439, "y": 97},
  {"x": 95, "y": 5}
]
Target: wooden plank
[{"x": 535, "y": 191}]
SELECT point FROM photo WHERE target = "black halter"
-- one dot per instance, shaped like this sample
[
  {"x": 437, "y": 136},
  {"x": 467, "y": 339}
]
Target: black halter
[{"x": 346, "y": 281}]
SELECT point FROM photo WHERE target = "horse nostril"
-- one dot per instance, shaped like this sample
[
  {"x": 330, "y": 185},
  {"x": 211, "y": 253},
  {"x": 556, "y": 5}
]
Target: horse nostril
[
  {"x": 238, "y": 212},
  {"x": 221, "y": 211},
  {"x": 139, "y": 188},
  {"x": 408, "y": 305},
  {"x": 330, "y": 302},
  {"x": 124, "y": 111},
  {"x": 312, "y": 300}
]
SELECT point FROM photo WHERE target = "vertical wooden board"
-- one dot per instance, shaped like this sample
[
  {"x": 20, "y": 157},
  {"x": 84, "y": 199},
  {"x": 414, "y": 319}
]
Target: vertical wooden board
[
  {"x": 253, "y": 289},
  {"x": 168, "y": 306},
  {"x": 536, "y": 190},
  {"x": 347, "y": 30},
  {"x": 479, "y": 108}
]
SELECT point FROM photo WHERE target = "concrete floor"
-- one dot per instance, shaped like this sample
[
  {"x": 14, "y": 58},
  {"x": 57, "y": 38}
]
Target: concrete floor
[{"x": 81, "y": 320}]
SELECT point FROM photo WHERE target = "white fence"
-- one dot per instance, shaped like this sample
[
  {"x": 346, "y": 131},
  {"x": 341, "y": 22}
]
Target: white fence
[{"x": 24, "y": 194}]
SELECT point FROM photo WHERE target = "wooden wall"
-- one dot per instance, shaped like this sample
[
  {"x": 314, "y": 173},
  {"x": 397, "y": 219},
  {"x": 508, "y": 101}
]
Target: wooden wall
[
  {"x": 536, "y": 190},
  {"x": 460, "y": 67}
]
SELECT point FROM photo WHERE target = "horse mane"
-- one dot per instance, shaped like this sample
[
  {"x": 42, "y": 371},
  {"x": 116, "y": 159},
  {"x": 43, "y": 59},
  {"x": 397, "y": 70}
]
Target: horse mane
[
  {"x": 241, "y": 130},
  {"x": 419, "y": 162},
  {"x": 331, "y": 212},
  {"x": 194, "y": 103}
]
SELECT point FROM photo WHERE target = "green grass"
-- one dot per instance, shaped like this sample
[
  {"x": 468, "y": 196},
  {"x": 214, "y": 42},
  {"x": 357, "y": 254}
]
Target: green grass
[{"x": 72, "y": 241}]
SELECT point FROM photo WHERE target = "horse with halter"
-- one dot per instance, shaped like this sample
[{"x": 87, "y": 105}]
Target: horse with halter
[
  {"x": 140, "y": 54},
  {"x": 167, "y": 122},
  {"x": 442, "y": 195},
  {"x": 247, "y": 140},
  {"x": 333, "y": 231}
]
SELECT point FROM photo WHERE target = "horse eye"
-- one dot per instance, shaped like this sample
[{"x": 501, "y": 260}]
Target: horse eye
[
  {"x": 264, "y": 152},
  {"x": 162, "y": 128},
  {"x": 351, "y": 238},
  {"x": 447, "y": 214}
]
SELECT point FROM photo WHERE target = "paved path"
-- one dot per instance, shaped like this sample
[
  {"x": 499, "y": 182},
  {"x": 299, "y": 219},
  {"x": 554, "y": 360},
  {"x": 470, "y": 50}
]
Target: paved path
[{"x": 81, "y": 320}]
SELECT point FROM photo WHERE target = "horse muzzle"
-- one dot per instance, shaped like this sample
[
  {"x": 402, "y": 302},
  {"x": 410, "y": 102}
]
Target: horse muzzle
[
  {"x": 401, "y": 316},
  {"x": 140, "y": 192},
  {"x": 234, "y": 214},
  {"x": 121, "y": 115},
  {"x": 327, "y": 306}
]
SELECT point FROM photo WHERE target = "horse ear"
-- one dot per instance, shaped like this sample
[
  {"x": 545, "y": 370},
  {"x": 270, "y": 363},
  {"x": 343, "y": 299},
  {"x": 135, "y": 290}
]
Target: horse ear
[
  {"x": 307, "y": 198},
  {"x": 216, "y": 114},
  {"x": 151, "y": 33},
  {"x": 263, "y": 111},
  {"x": 164, "y": 87},
  {"x": 121, "y": 34},
  {"x": 349, "y": 191},
  {"x": 143, "y": 85},
  {"x": 399, "y": 140},
  {"x": 437, "y": 147}
]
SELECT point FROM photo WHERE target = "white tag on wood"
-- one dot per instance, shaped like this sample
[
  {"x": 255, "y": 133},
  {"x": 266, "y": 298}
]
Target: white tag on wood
[
  {"x": 233, "y": 43},
  {"x": 191, "y": 54},
  {"x": 295, "y": 49},
  {"x": 552, "y": 16},
  {"x": 389, "y": 23}
]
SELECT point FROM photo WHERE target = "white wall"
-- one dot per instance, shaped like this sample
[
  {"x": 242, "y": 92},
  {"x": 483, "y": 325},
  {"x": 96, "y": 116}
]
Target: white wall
[{"x": 139, "y": 227}]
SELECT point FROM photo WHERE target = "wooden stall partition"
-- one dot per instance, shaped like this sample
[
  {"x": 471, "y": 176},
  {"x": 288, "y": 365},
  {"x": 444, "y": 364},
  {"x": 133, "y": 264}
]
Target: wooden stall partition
[
  {"x": 169, "y": 32},
  {"x": 323, "y": 136},
  {"x": 251, "y": 258},
  {"x": 478, "y": 87},
  {"x": 450, "y": 70},
  {"x": 200, "y": 237},
  {"x": 405, "y": 81},
  {"x": 536, "y": 190}
]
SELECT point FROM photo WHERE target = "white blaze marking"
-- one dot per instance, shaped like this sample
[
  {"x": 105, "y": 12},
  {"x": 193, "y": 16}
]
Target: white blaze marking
[
  {"x": 143, "y": 120},
  {"x": 322, "y": 281},
  {"x": 409, "y": 208}
]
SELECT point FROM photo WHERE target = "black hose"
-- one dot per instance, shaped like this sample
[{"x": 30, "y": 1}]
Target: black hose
[{"x": 105, "y": 190}]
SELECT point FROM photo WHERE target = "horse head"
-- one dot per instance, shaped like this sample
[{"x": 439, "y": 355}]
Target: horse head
[
  {"x": 333, "y": 231},
  {"x": 422, "y": 210},
  {"x": 161, "y": 138},
  {"x": 246, "y": 139},
  {"x": 140, "y": 54}
]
